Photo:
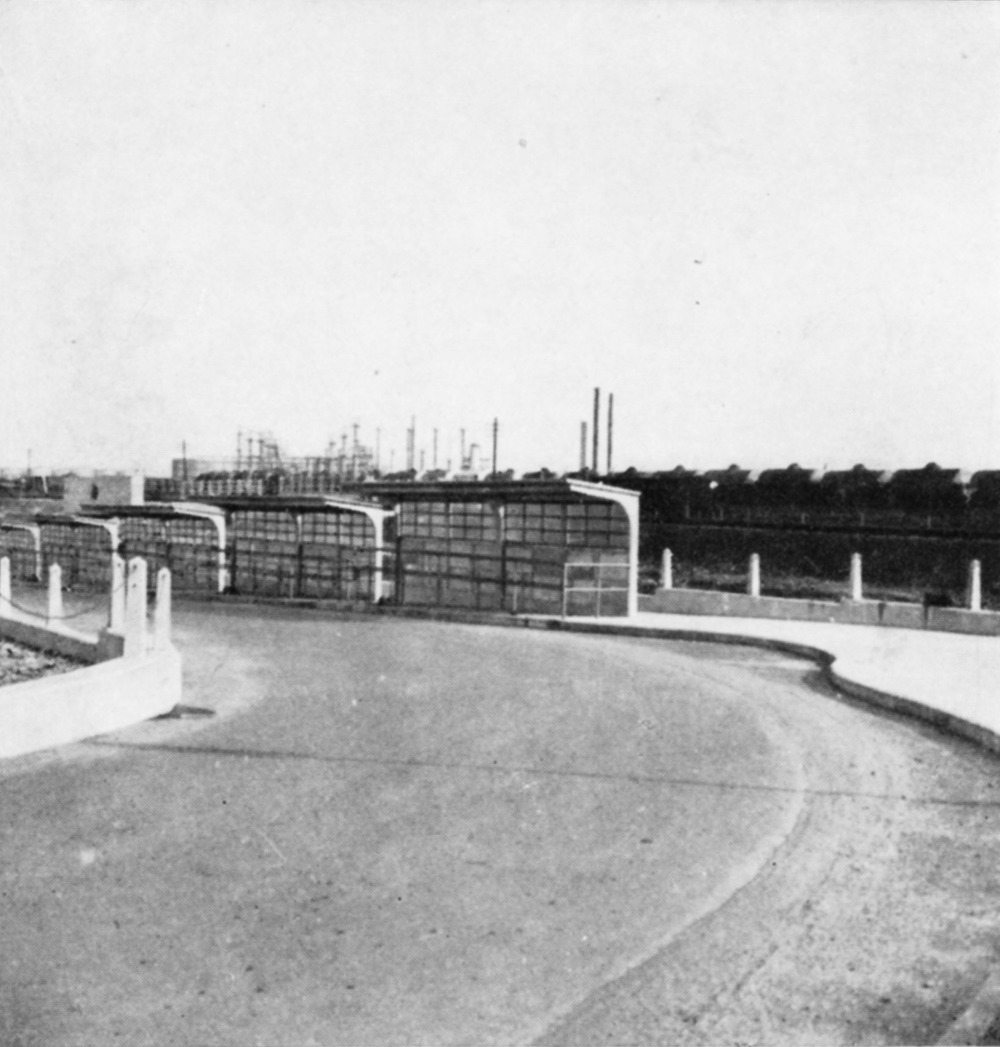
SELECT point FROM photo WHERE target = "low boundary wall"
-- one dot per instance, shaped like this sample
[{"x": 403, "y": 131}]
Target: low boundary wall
[
  {"x": 845, "y": 612},
  {"x": 134, "y": 673}
]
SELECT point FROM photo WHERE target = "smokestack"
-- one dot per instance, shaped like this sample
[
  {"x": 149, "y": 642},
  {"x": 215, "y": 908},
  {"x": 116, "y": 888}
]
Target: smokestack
[
  {"x": 611, "y": 425},
  {"x": 496, "y": 425},
  {"x": 461, "y": 460},
  {"x": 583, "y": 446},
  {"x": 597, "y": 423},
  {"x": 435, "y": 449}
]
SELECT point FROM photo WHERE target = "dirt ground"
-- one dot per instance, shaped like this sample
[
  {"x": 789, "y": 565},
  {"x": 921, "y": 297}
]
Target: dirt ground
[{"x": 19, "y": 663}]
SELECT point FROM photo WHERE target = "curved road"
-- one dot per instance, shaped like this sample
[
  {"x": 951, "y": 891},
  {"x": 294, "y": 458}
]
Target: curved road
[{"x": 400, "y": 832}]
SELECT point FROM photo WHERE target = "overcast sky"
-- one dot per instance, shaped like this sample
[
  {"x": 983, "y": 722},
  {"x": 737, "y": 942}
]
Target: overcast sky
[{"x": 771, "y": 229}]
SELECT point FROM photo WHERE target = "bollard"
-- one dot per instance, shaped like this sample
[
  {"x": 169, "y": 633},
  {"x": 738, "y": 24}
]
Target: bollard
[
  {"x": 161, "y": 620},
  {"x": 856, "y": 576},
  {"x": 975, "y": 586},
  {"x": 753, "y": 582},
  {"x": 116, "y": 617},
  {"x": 135, "y": 609},
  {"x": 54, "y": 610},
  {"x": 5, "y": 592},
  {"x": 667, "y": 570}
]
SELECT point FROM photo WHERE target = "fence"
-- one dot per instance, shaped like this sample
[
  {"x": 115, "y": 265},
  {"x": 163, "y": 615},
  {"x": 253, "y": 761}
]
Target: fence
[{"x": 595, "y": 588}]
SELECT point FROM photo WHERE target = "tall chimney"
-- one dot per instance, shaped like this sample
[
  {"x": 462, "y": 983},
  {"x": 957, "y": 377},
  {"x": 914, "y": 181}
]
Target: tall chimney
[
  {"x": 611, "y": 425},
  {"x": 597, "y": 422},
  {"x": 583, "y": 446},
  {"x": 496, "y": 426}
]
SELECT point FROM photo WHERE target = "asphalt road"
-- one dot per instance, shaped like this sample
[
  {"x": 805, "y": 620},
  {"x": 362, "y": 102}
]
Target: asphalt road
[{"x": 403, "y": 832}]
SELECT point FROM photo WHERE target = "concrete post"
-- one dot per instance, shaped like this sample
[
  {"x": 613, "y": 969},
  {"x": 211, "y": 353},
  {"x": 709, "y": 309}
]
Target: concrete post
[
  {"x": 116, "y": 616},
  {"x": 5, "y": 593},
  {"x": 135, "y": 609},
  {"x": 975, "y": 586},
  {"x": 753, "y": 582},
  {"x": 54, "y": 611},
  {"x": 667, "y": 570},
  {"x": 855, "y": 576},
  {"x": 161, "y": 621}
]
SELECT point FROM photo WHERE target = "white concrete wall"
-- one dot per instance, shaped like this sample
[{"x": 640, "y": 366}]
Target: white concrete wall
[
  {"x": 135, "y": 677},
  {"x": 55, "y": 710}
]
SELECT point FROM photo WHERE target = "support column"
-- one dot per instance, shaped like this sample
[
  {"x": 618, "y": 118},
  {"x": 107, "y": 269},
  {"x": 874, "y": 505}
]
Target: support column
[
  {"x": 54, "y": 610},
  {"x": 162, "y": 618},
  {"x": 5, "y": 593},
  {"x": 116, "y": 616},
  {"x": 856, "y": 576},
  {"x": 753, "y": 582},
  {"x": 975, "y": 594},
  {"x": 135, "y": 609},
  {"x": 667, "y": 570}
]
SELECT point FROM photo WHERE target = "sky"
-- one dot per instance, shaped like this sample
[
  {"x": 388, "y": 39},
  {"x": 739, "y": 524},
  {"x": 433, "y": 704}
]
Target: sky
[{"x": 769, "y": 228}]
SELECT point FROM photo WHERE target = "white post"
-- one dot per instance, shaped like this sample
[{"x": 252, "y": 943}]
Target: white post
[
  {"x": 116, "y": 617},
  {"x": 161, "y": 620},
  {"x": 667, "y": 570},
  {"x": 975, "y": 586},
  {"x": 135, "y": 609},
  {"x": 753, "y": 582},
  {"x": 54, "y": 610},
  {"x": 855, "y": 576},
  {"x": 5, "y": 594}
]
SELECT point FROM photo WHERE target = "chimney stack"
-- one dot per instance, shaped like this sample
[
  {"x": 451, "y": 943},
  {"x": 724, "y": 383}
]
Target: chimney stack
[{"x": 597, "y": 421}]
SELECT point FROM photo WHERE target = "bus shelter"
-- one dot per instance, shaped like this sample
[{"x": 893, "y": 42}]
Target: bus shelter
[
  {"x": 561, "y": 546},
  {"x": 21, "y": 543},
  {"x": 81, "y": 545},
  {"x": 322, "y": 547},
  {"x": 186, "y": 537}
]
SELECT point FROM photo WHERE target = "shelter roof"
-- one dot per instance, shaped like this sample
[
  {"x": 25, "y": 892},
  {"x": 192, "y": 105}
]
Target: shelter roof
[
  {"x": 156, "y": 509},
  {"x": 561, "y": 490},
  {"x": 302, "y": 503}
]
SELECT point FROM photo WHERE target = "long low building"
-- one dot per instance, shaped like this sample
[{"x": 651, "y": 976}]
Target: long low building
[
  {"x": 556, "y": 546},
  {"x": 559, "y": 546}
]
